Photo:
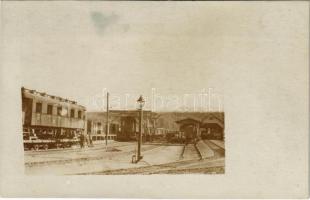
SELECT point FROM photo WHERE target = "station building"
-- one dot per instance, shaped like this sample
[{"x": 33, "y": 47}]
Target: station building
[
  {"x": 204, "y": 125},
  {"x": 123, "y": 124}
]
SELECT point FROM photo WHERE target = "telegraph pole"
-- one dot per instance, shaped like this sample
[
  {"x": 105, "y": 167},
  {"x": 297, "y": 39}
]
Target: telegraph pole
[{"x": 107, "y": 125}]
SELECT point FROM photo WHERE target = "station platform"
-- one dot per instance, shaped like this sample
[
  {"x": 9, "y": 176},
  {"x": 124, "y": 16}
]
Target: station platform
[
  {"x": 204, "y": 149},
  {"x": 219, "y": 143}
]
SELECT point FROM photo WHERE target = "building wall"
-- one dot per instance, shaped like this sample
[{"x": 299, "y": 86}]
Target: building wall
[
  {"x": 96, "y": 129},
  {"x": 124, "y": 124}
]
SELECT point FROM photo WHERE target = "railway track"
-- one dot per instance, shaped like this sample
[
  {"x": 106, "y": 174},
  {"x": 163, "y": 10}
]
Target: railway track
[
  {"x": 179, "y": 167},
  {"x": 190, "y": 152},
  {"x": 87, "y": 158},
  {"x": 78, "y": 149},
  {"x": 219, "y": 151}
]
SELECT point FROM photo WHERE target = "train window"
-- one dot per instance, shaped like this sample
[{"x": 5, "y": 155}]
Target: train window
[
  {"x": 79, "y": 114},
  {"x": 38, "y": 107},
  {"x": 99, "y": 128},
  {"x": 72, "y": 113},
  {"x": 65, "y": 112},
  {"x": 59, "y": 109},
  {"x": 49, "y": 109}
]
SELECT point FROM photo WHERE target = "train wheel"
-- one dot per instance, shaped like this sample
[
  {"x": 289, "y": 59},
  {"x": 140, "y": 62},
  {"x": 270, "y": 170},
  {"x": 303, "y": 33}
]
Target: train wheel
[
  {"x": 36, "y": 147},
  {"x": 45, "y": 147}
]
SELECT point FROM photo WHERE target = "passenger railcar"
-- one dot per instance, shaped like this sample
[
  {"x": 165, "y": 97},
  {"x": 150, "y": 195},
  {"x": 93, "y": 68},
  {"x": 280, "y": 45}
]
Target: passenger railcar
[{"x": 50, "y": 121}]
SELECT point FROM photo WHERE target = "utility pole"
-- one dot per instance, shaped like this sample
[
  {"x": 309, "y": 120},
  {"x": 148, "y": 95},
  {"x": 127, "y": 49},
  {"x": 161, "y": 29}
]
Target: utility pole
[{"x": 107, "y": 125}]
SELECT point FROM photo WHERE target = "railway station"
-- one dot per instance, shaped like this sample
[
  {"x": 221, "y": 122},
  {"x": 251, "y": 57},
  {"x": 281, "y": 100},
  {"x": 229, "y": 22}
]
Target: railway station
[{"x": 61, "y": 137}]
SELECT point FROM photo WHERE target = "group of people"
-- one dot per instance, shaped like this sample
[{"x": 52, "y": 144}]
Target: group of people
[{"x": 85, "y": 140}]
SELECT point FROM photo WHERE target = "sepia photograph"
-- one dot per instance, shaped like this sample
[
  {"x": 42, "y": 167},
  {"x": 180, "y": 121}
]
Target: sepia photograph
[
  {"x": 62, "y": 137},
  {"x": 154, "y": 99}
]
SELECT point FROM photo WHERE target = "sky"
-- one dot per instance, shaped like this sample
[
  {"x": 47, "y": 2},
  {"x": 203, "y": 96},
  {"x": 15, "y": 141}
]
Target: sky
[{"x": 183, "y": 55}]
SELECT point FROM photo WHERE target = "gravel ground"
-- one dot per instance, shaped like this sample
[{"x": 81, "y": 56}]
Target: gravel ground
[
  {"x": 209, "y": 166},
  {"x": 97, "y": 159},
  {"x": 157, "y": 159}
]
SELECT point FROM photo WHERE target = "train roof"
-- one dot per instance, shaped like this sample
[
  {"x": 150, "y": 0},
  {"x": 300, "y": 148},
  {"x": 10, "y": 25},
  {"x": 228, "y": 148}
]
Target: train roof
[{"x": 50, "y": 98}]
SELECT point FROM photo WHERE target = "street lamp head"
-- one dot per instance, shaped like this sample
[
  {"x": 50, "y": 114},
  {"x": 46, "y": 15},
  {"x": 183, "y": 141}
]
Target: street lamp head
[{"x": 141, "y": 101}]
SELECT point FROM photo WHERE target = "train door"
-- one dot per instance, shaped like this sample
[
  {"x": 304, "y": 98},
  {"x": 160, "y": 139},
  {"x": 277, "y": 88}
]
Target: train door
[{"x": 27, "y": 110}]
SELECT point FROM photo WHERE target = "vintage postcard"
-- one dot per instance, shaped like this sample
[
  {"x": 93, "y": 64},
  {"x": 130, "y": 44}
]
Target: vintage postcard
[{"x": 154, "y": 99}]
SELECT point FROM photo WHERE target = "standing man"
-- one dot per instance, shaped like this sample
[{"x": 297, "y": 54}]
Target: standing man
[{"x": 82, "y": 141}]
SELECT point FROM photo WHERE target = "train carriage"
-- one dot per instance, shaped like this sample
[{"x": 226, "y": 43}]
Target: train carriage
[{"x": 50, "y": 121}]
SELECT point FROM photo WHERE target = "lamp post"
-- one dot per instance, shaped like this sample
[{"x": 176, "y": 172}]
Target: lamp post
[{"x": 141, "y": 102}]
